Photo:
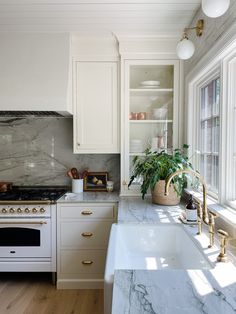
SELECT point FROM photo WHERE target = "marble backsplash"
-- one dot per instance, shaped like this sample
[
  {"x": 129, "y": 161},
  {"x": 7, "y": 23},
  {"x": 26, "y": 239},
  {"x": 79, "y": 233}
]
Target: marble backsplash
[{"x": 39, "y": 151}]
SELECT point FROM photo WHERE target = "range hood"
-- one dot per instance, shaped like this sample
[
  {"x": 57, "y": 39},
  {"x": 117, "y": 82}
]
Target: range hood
[
  {"x": 35, "y": 73},
  {"x": 28, "y": 114}
]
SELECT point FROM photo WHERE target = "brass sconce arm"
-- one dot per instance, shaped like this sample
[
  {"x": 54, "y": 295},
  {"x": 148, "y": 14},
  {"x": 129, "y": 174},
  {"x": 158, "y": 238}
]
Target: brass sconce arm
[{"x": 199, "y": 28}]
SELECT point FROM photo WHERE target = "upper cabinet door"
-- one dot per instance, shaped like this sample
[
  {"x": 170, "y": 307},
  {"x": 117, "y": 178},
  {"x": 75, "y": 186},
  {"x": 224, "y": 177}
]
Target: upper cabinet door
[{"x": 96, "y": 115}]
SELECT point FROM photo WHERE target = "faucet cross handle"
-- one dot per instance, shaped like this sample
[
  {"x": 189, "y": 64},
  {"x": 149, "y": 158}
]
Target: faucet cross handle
[{"x": 222, "y": 257}]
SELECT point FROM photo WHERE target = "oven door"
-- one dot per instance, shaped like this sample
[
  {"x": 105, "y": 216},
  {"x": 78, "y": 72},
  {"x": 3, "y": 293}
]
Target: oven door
[{"x": 25, "y": 237}]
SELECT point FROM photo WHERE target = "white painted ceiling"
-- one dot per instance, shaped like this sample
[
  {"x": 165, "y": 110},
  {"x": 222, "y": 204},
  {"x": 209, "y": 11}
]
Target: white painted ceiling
[{"x": 136, "y": 17}]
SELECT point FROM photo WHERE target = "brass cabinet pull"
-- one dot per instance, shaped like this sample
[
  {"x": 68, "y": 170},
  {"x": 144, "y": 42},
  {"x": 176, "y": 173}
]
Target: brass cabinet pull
[
  {"x": 86, "y": 234},
  {"x": 87, "y": 262},
  {"x": 86, "y": 212}
]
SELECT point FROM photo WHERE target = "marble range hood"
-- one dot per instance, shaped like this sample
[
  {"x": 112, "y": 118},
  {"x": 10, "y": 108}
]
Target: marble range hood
[{"x": 35, "y": 74}]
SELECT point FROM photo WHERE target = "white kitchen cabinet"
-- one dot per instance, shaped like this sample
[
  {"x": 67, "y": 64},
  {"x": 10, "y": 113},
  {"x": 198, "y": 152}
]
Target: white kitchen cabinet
[
  {"x": 96, "y": 110},
  {"x": 82, "y": 237},
  {"x": 150, "y": 109}
]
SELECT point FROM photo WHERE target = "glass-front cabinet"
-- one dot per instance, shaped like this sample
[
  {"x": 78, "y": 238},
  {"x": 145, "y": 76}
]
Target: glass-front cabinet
[{"x": 150, "y": 112}]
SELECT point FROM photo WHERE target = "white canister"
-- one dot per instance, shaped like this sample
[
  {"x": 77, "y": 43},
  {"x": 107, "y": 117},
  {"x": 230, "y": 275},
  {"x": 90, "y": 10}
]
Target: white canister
[
  {"x": 110, "y": 186},
  {"x": 77, "y": 185}
]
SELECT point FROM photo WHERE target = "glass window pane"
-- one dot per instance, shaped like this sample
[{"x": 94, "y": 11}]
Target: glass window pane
[
  {"x": 216, "y": 104},
  {"x": 215, "y": 173},
  {"x": 209, "y": 134},
  {"x": 215, "y": 135},
  {"x": 208, "y": 172}
]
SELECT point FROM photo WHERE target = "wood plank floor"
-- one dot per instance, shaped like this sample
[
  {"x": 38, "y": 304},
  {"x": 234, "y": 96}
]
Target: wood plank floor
[{"x": 33, "y": 293}]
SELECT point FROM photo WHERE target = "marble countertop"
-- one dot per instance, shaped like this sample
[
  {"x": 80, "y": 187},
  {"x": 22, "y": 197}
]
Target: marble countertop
[
  {"x": 175, "y": 291},
  {"x": 137, "y": 210},
  {"x": 169, "y": 291},
  {"x": 87, "y": 197}
]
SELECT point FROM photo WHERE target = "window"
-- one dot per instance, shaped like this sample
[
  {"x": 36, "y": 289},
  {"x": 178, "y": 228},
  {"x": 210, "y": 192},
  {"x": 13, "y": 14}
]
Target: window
[
  {"x": 211, "y": 123},
  {"x": 209, "y": 134}
]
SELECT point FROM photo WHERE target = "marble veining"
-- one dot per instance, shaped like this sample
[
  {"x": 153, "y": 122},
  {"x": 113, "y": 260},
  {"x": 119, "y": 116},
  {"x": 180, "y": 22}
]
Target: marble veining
[
  {"x": 134, "y": 209},
  {"x": 39, "y": 151},
  {"x": 173, "y": 291}
]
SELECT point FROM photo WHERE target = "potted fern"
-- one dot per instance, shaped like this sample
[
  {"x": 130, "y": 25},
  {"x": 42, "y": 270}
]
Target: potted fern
[{"x": 155, "y": 168}]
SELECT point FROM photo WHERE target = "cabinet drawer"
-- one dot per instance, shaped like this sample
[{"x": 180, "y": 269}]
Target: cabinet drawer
[
  {"x": 87, "y": 211},
  {"x": 84, "y": 234},
  {"x": 82, "y": 261}
]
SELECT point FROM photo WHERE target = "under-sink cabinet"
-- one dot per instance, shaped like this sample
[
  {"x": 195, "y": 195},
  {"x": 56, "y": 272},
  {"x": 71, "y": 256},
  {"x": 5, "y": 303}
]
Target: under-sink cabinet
[
  {"x": 82, "y": 237},
  {"x": 96, "y": 110}
]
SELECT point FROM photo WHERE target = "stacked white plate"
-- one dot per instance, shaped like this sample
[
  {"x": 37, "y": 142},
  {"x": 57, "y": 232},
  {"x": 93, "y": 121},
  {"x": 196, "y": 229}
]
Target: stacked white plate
[
  {"x": 150, "y": 84},
  {"x": 136, "y": 146}
]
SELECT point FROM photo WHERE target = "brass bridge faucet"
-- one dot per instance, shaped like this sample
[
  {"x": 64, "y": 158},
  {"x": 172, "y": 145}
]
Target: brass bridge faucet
[
  {"x": 204, "y": 189},
  {"x": 203, "y": 216}
]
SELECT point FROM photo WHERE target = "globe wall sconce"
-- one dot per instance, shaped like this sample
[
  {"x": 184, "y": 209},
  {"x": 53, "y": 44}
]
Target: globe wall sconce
[{"x": 185, "y": 48}]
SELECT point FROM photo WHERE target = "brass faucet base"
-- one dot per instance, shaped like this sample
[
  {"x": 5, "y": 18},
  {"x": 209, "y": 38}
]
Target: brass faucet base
[{"x": 222, "y": 258}]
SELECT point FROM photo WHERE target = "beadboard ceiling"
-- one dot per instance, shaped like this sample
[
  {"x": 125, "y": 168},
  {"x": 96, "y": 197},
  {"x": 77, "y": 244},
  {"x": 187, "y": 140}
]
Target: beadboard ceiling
[{"x": 131, "y": 17}]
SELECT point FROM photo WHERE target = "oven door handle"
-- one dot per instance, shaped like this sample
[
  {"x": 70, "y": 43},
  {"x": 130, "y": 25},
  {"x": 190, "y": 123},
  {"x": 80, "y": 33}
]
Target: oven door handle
[{"x": 42, "y": 222}]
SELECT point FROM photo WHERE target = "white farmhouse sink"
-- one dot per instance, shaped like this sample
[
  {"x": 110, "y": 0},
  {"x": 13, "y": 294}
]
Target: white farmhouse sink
[{"x": 149, "y": 247}]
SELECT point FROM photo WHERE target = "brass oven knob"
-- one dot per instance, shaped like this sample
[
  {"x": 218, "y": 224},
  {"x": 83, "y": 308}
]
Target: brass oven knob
[
  {"x": 42, "y": 210},
  {"x": 11, "y": 210},
  {"x": 27, "y": 210},
  {"x": 19, "y": 210},
  {"x": 34, "y": 210},
  {"x": 4, "y": 210}
]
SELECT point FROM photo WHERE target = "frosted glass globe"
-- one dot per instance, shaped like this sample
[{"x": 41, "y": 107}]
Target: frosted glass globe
[
  {"x": 185, "y": 49},
  {"x": 215, "y": 8}
]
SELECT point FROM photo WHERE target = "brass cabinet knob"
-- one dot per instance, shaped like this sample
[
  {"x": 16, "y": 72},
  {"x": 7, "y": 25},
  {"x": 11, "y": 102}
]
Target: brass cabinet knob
[
  {"x": 87, "y": 262},
  {"x": 42, "y": 210},
  {"x": 86, "y": 234},
  {"x": 34, "y": 210},
  {"x": 86, "y": 212},
  {"x": 27, "y": 210},
  {"x": 19, "y": 210},
  {"x": 11, "y": 210},
  {"x": 4, "y": 210}
]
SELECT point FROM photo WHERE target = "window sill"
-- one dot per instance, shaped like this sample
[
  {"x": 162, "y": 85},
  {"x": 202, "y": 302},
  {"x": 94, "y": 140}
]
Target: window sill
[{"x": 225, "y": 212}]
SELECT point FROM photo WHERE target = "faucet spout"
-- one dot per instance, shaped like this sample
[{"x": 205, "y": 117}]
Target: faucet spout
[{"x": 204, "y": 189}]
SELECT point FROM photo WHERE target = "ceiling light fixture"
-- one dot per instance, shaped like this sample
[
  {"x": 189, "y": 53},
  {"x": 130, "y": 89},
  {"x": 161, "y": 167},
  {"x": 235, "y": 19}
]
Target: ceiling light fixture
[
  {"x": 185, "y": 48},
  {"x": 215, "y": 8}
]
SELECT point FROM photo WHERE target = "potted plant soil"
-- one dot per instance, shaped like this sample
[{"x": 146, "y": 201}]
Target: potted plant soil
[{"x": 155, "y": 168}]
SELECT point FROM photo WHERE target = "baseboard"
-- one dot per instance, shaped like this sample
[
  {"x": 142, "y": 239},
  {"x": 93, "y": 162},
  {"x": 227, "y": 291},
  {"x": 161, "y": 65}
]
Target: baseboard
[{"x": 80, "y": 283}]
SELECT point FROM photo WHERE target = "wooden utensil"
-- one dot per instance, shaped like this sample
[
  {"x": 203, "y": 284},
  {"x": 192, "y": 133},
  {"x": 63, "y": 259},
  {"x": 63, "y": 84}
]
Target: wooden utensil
[
  {"x": 69, "y": 174},
  {"x": 74, "y": 172},
  {"x": 84, "y": 174}
]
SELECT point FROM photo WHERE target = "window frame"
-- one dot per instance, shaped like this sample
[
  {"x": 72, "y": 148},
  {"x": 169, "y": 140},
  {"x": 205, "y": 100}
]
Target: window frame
[
  {"x": 224, "y": 67},
  {"x": 214, "y": 75},
  {"x": 194, "y": 115}
]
